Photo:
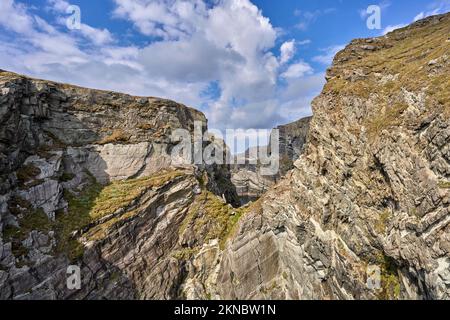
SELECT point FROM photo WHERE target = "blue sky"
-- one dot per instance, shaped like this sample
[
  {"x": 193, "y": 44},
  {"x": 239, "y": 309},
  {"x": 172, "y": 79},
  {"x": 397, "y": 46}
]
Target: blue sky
[{"x": 246, "y": 64}]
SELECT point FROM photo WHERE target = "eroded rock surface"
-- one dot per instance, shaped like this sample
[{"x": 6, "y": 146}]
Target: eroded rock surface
[
  {"x": 246, "y": 175},
  {"x": 87, "y": 178},
  {"x": 371, "y": 189}
]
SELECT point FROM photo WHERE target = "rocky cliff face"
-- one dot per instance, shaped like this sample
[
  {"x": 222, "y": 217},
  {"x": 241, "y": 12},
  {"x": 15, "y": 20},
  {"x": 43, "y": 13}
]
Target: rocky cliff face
[
  {"x": 293, "y": 138},
  {"x": 86, "y": 179},
  {"x": 370, "y": 192},
  {"x": 246, "y": 177}
]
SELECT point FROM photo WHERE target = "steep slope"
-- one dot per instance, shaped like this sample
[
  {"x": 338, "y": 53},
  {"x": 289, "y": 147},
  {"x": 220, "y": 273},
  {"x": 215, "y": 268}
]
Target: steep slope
[
  {"x": 87, "y": 178},
  {"x": 371, "y": 189}
]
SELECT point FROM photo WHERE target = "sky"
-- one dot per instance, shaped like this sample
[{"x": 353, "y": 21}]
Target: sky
[{"x": 245, "y": 64}]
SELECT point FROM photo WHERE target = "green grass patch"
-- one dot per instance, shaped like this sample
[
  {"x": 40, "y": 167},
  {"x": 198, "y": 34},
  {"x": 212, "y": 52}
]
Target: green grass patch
[
  {"x": 444, "y": 184},
  {"x": 18, "y": 205},
  {"x": 120, "y": 194},
  {"x": 97, "y": 201},
  {"x": 389, "y": 118},
  {"x": 66, "y": 177},
  {"x": 75, "y": 219},
  {"x": 100, "y": 231},
  {"x": 185, "y": 253},
  {"x": 34, "y": 220},
  {"x": 383, "y": 221},
  {"x": 210, "y": 218}
]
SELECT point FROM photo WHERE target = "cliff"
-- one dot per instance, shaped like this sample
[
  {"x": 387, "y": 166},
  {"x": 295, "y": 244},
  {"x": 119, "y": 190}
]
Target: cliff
[
  {"x": 86, "y": 179},
  {"x": 370, "y": 191},
  {"x": 246, "y": 177}
]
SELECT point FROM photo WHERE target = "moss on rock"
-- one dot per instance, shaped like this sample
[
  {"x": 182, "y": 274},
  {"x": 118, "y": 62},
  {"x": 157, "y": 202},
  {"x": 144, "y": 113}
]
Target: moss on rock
[{"x": 211, "y": 218}]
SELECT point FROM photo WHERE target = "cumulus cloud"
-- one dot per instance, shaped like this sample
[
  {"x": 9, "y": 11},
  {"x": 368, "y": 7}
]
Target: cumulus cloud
[
  {"x": 196, "y": 47},
  {"x": 295, "y": 99},
  {"x": 163, "y": 18},
  {"x": 297, "y": 70},
  {"x": 192, "y": 44},
  {"x": 289, "y": 48}
]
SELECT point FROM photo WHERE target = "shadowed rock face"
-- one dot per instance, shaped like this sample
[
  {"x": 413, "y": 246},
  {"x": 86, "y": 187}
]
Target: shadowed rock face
[
  {"x": 250, "y": 184},
  {"x": 85, "y": 179},
  {"x": 293, "y": 139}
]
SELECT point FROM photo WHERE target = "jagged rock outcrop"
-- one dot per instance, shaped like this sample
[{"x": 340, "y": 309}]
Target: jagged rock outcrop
[
  {"x": 245, "y": 174},
  {"x": 370, "y": 192},
  {"x": 293, "y": 138}
]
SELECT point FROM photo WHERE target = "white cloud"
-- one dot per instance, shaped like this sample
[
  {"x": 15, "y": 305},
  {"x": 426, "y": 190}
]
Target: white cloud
[
  {"x": 392, "y": 28},
  {"x": 14, "y": 17},
  {"x": 295, "y": 99},
  {"x": 169, "y": 19},
  {"x": 97, "y": 36},
  {"x": 195, "y": 46},
  {"x": 303, "y": 42},
  {"x": 419, "y": 16},
  {"x": 309, "y": 17},
  {"x": 328, "y": 54},
  {"x": 287, "y": 51},
  {"x": 434, "y": 8},
  {"x": 58, "y": 5},
  {"x": 297, "y": 70},
  {"x": 229, "y": 43}
]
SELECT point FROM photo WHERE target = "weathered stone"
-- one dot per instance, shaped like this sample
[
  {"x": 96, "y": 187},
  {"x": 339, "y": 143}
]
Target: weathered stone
[{"x": 246, "y": 175}]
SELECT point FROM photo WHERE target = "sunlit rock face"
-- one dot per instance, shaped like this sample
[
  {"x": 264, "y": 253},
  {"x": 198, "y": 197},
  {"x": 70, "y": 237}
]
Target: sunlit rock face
[
  {"x": 87, "y": 178},
  {"x": 371, "y": 189},
  {"x": 362, "y": 212}
]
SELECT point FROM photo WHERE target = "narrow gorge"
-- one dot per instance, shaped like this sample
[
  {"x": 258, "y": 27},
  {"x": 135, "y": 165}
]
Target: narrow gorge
[{"x": 87, "y": 178}]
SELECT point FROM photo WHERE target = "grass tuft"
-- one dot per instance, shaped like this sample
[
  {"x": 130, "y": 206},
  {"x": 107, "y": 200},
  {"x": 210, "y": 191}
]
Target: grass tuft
[
  {"x": 96, "y": 202},
  {"x": 117, "y": 136},
  {"x": 444, "y": 184},
  {"x": 211, "y": 218}
]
